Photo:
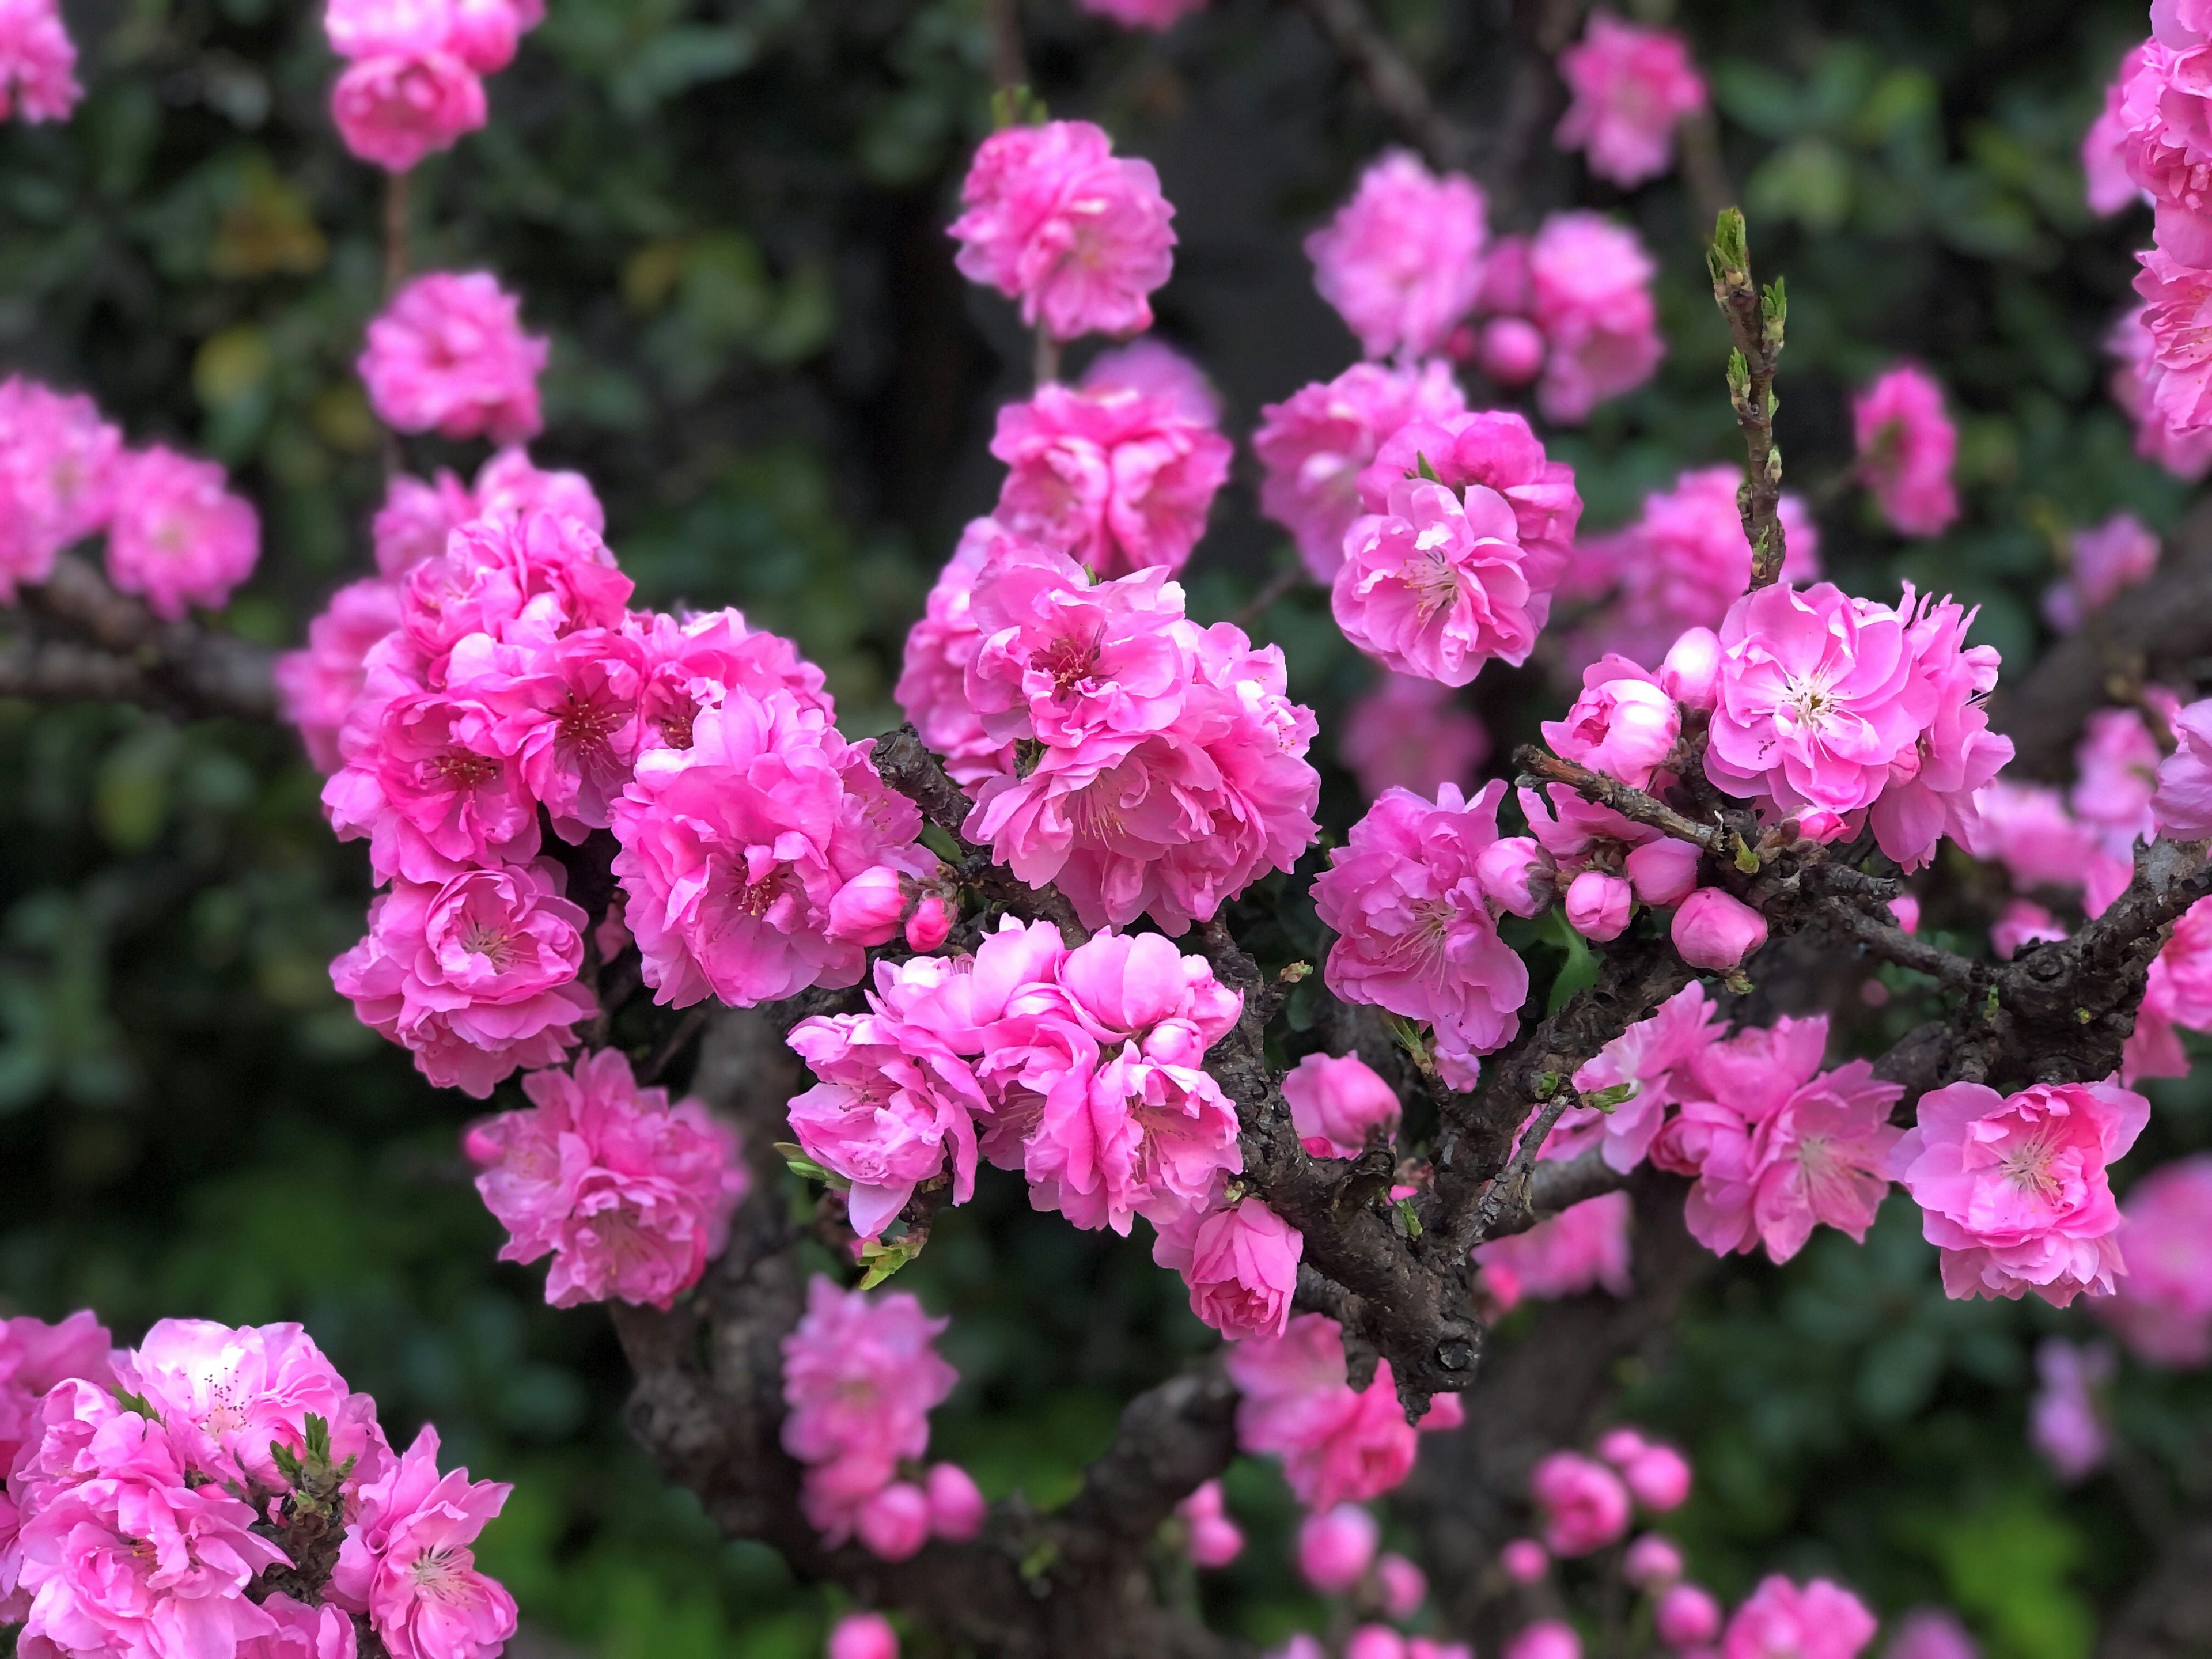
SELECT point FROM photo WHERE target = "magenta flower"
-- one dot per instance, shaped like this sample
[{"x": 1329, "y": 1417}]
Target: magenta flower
[
  {"x": 1116, "y": 478},
  {"x": 1583, "y": 1247},
  {"x": 319, "y": 686},
  {"x": 1313, "y": 445},
  {"x": 1547, "y": 1638},
  {"x": 2108, "y": 559},
  {"x": 2063, "y": 1422},
  {"x": 2177, "y": 310},
  {"x": 1631, "y": 86},
  {"x": 1415, "y": 935},
  {"x": 2181, "y": 806},
  {"x": 863, "y": 1636},
  {"x": 1335, "y": 1547},
  {"x": 2162, "y": 1309},
  {"x": 1906, "y": 449},
  {"x": 631, "y": 1197},
  {"x": 1655, "y": 1056},
  {"x": 392, "y": 110},
  {"x": 1590, "y": 294},
  {"x": 34, "y": 1356},
  {"x": 2116, "y": 774},
  {"x": 1931, "y": 1634},
  {"x": 1155, "y": 369},
  {"x": 476, "y": 976},
  {"x": 932, "y": 685},
  {"x": 1939, "y": 788},
  {"x": 569, "y": 713},
  {"x": 525, "y": 579},
  {"x": 178, "y": 537},
  {"x": 1583, "y": 1504},
  {"x": 1414, "y": 734},
  {"x": 1240, "y": 1262},
  {"x": 1402, "y": 260},
  {"x": 1056, "y": 220},
  {"x": 1652, "y": 1563},
  {"x": 732, "y": 850},
  {"x": 2027, "y": 829},
  {"x": 694, "y": 663},
  {"x": 2105, "y": 146},
  {"x": 448, "y": 354},
  {"x": 1622, "y": 724},
  {"x": 2187, "y": 454},
  {"x": 1144, "y": 1137},
  {"x": 1686, "y": 1616},
  {"x": 1338, "y": 1103},
  {"x": 1784, "y": 1620},
  {"x": 406, "y": 1561},
  {"x": 38, "y": 61},
  {"x": 430, "y": 787},
  {"x": 59, "y": 463},
  {"x": 1215, "y": 1540},
  {"x": 2167, "y": 117},
  {"x": 2014, "y": 1189},
  {"x": 416, "y": 518},
  {"x": 1492, "y": 448},
  {"x": 1337, "y": 1447}
]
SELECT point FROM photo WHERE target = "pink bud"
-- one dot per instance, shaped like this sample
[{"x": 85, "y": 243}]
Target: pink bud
[
  {"x": 1205, "y": 1503},
  {"x": 1905, "y": 909},
  {"x": 1446, "y": 1411},
  {"x": 894, "y": 1523},
  {"x": 1663, "y": 871},
  {"x": 1692, "y": 671},
  {"x": 1505, "y": 870},
  {"x": 1525, "y": 1560},
  {"x": 2022, "y": 922},
  {"x": 1622, "y": 1446},
  {"x": 1713, "y": 930},
  {"x": 1336, "y": 1103},
  {"x": 1512, "y": 350},
  {"x": 929, "y": 925},
  {"x": 1599, "y": 905},
  {"x": 1405, "y": 1586},
  {"x": 1624, "y": 728},
  {"x": 865, "y": 909},
  {"x": 956, "y": 1507},
  {"x": 1375, "y": 1641},
  {"x": 1547, "y": 1638},
  {"x": 1335, "y": 1546},
  {"x": 1660, "y": 1479},
  {"x": 1687, "y": 1616},
  {"x": 1585, "y": 1505},
  {"x": 1215, "y": 1541},
  {"x": 864, "y": 1635},
  {"x": 1653, "y": 1562}
]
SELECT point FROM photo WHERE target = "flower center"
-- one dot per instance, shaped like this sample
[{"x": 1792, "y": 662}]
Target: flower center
[
  {"x": 460, "y": 769},
  {"x": 493, "y": 944}
]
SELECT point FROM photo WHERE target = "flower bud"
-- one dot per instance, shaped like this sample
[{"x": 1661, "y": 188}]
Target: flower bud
[
  {"x": 1547, "y": 1638},
  {"x": 1663, "y": 871},
  {"x": 1510, "y": 350},
  {"x": 1525, "y": 1560},
  {"x": 864, "y": 1635},
  {"x": 1660, "y": 1478},
  {"x": 1622, "y": 1446},
  {"x": 1504, "y": 870},
  {"x": 1687, "y": 1616},
  {"x": 865, "y": 909},
  {"x": 929, "y": 925},
  {"x": 1421, "y": 1647},
  {"x": 1375, "y": 1641},
  {"x": 1692, "y": 671},
  {"x": 1405, "y": 1586},
  {"x": 1599, "y": 905},
  {"x": 1215, "y": 1541},
  {"x": 894, "y": 1523},
  {"x": 956, "y": 1507},
  {"x": 1335, "y": 1103},
  {"x": 1623, "y": 728},
  {"x": 1652, "y": 1563},
  {"x": 1336, "y": 1546},
  {"x": 1585, "y": 1505},
  {"x": 1713, "y": 930},
  {"x": 1904, "y": 910}
]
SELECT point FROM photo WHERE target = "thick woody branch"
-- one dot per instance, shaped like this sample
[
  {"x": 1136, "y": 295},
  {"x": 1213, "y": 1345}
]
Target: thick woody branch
[
  {"x": 1398, "y": 92},
  {"x": 1755, "y": 324}
]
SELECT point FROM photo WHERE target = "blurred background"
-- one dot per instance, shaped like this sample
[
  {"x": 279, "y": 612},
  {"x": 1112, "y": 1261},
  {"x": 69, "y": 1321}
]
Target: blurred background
[{"x": 729, "y": 214}]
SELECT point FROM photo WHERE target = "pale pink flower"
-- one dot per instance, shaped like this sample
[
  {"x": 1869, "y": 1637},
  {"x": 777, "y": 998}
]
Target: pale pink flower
[
  {"x": 319, "y": 686},
  {"x": 1906, "y": 449},
  {"x": 406, "y": 1561},
  {"x": 1547, "y": 1638},
  {"x": 2187, "y": 454},
  {"x": 448, "y": 354},
  {"x": 1402, "y": 260},
  {"x": 1654, "y": 1055},
  {"x": 1337, "y": 1447},
  {"x": 2027, "y": 829},
  {"x": 1583, "y": 1504},
  {"x": 1156, "y": 369},
  {"x": 1337, "y": 1103},
  {"x": 732, "y": 850},
  {"x": 1336, "y": 1546},
  {"x": 1631, "y": 86},
  {"x": 2163, "y": 1308},
  {"x": 2104, "y": 147},
  {"x": 58, "y": 463},
  {"x": 34, "y": 1356},
  {"x": 631, "y": 1197},
  {"x": 38, "y": 61},
  {"x": 1687, "y": 1616},
  {"x": 932, "y": 685},
  {"x": 476, "y": 976},
  {"x": 2107, "y": 559},
  {"x": 1078, "y": 234},
  {"x": 1622, "y": 724},
  {"x": 2177, "y": 310},
  {"x": 1241, "y": 1262},
  {"x": 1583, "y": 1247},
  {"x": 1215, "y": 1540},
  {"x": 2116, "y": 775},
  {"x": 1653, "y": 1562},
  {"x": 394, "y": 110},
  {"x": 2063, "y": 1422},
  {"x": 1409, "y": 734},
  {"x": 1492, "y": 448},
  {"x": 863, "y": 1636},
  {"x": 1784, "y": 1620},
  {"x": 1715, "y": 930},
  {"x": 1313, "y": 446},
  {"x": 1415, "y": 935},
  {"x": 2182, "y": 806},
  {"x": 2014, "y": 1190},
  {"x": 1116, "y": 478},
  {"x": 2168, "y": 146},
  {"x": 1590, "y": 286},
  {"x": 416, "y": 518},
  {"x": 1931, "y": 1634},
  {"x": 177, "y": 536}
]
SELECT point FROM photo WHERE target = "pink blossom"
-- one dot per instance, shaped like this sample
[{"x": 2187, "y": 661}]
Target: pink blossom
[
  {"x": 1653, "y": 1562},
  {"x": 2135, "y": 382},
  {"x": 1336, "y": 1546},
  {"x": 1525, "y": 1560},
  {"x": 416, "y": 517},
  {"x": 1691, "y": 671},
  {"x": 1715, "y": 930},
  {"x": 1598, "y": 905},
  {"x": 1215, "y": 1540},
  {"x": 732, "y": 851},
  {"x": 2168, "y": 143},
  {"x": 1583, "y": 1504},
  {"x": 1547, "y": 1638},
  {"x": 2107, "y": 559},
  {"x": 694, "y": 663},
  {"x": 303, "y": 1631},
  {"x": 1658, "y": 1477},
  {"x": 933, "y": 687},
  {"x": 630, "y": 1196},
  {"x": 1402, "y": 260},
  {"x": 1241, "y": 1262},
  {"x": 1156, "y": 369},
  {"x": 1510, "y": 350},
  {"x": 178, "y": 537},
  {"x": 396, "y": 109},
  {"x": 406, "y": 1561},
  {"x": 864, "y": 1635},
  {"x": 448, "y": 354},
  {"x": 1056, "y": 220},
  {"x": 34, "y": 1356},
  {"x": 2013, "y": 1189},
  {"x": 1409, "y": 733},
  {"x": 38, "y": 61},
  {"x": 1415, "y": 935},
  {"x": 1784, "y": 1620},
  {"x": 1929, "y": 1633},
  {"x": 59, "y": 463},
  {"x": 1436, "y": 585},
  {"x": 1313, "y": 445},
  {"x": 1590, "y": 283},
  {"x": 2178, "y": 369},
  {"x": 930, "y": 925},
  {"x": 2022, "y": 923},
  {"x": 894, "y": 1520},
  {"x": 567, "y": 713},
  {"x": 1583, "y": 1247},
  {"x": 2027, "y": 829},
  {"x": 430, "y": 787},
  {"x": 1403, "y": 1585},
  {"x": 1337, "y": 1447},
  {"x": 319, "y": 686},
  {"x": 956, "y": 1506},
  {"x": 1494, "y": 449},
  {"x": 2063, "y": 1422},
  {"x": 1374, "y": 1642},
  {"x": 1338, "y": 1103},
  {"x": 2116, "y": 766},
  {"x": 1687, "y": 1616},
  {"x": 1146, "y": 1136},
  {"x": 1654, "y": 1057},
  {"x": 2163, "y": 1308},
  {"x": 1622, "y": 724},
  {"x": 1117, "y": 478},
  {"x": 2182, "y": 806},
  {"x": 2104, "y": 147},
  {"x": 524, "y": 579},
  {"x": 1906, "y": 448},
  {"x": 1631, "y": 86},
  {"x": 1938, "y": 788},
  {"x": 1622, "y": 1444}
]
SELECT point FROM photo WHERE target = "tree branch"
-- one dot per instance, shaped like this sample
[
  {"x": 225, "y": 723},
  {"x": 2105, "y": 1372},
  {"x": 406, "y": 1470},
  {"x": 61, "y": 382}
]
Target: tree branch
[
  {"x": 1397, "y": 91},
  {"x": 1755, "y": 324}
]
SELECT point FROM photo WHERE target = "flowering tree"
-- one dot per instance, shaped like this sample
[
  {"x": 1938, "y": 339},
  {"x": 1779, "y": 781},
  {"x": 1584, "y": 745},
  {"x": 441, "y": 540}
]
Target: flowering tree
[{"x": 1372, "y": 1079}]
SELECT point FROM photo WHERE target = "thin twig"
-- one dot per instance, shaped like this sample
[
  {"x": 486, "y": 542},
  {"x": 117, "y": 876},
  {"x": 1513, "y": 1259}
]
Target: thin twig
[
  {"x": 1008, "y": 69},
  {"x": 397, "y": 190},
  {"x": 1634, "y": 804},
  {"x": 1515, "y": 1172},
  {"x": 1045, "y": 365},
  {"x": 1280, "y": 586},
  {"x": 1391, "y": 82},
  {"x": 1755, "y": 324},
  {"x": 677, "y": 1040}
]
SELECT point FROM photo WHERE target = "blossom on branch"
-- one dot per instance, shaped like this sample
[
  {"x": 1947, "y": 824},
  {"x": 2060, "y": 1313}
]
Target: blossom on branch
[
  {"x": 1402, "y": 260},
  {"x": 2107, "y": 559},
  {"x": 448, "y": 354},
  {"x": 1409, "y": 733},
  {"x": 1583, "y": 1247},
  {"x": 58, "y": 467},
  {"x": 1338, "y": 1103},
  {"x": 1906, "y": 448},
  {"x": 1631, "y": 86},
  {"x": 406, "y": 1561},
  {"x": 1781, "y": 1619},
  {"x": 2162, "y": 1309},
  {"x": 38, "y": 61},
  {"x": 2181, "y": 806},
  {"x": 178, "y": 536}
]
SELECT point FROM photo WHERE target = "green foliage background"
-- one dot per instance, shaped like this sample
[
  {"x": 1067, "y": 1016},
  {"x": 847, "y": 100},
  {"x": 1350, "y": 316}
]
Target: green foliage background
[{"x": 728, "y": 214}]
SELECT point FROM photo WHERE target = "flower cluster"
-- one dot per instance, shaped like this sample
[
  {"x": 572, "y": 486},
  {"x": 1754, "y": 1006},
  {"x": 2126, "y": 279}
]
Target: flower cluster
[
  {"x": 1402, "y": 260},
  {"x": 414, "y": 79},
  {"x": 2181, "y": 805},
  {"x": 157, "y": 1499},
  {"x": 1211, "y": 1538},
  {"x": 1571, "y": 309},
  {"x": 1056, "y": 220},
  {"x": 861, "y": 1375},
  {"x": 1338, "y": 1445},
  {"x": 1906, "y": 448},
  {"x": 2162, "y": 1309},
  {"x": 176, "y": 535},
  {"x": 630, "y": 1196},
  {"x": 38, "y": 61},
  {"x": 448, "y": 355},
  {"x": 1583, "y": 1247},
  {"x": 1631, "y": 87}
]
